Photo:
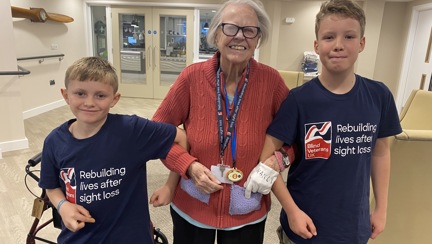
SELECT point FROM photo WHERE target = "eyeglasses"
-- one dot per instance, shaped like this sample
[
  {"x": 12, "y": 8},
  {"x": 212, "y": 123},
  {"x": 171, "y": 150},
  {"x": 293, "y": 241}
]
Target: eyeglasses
[{"x": 249, "y": 32}]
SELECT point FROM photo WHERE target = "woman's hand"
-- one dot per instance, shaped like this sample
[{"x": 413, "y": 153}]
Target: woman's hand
[
  {"x": 74, "y": 216},
  {"x": 203, "y": 178},
  {"x": 260, "y": 179}
]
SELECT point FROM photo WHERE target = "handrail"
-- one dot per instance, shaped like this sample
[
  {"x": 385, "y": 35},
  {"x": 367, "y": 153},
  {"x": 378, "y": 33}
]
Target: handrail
[
  {"x": 21, "y": 71},
  {"x": 41, "y": 58}
]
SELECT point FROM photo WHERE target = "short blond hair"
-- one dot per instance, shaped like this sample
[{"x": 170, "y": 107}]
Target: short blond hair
[
  {"x": 92, "y": 69},
  {"x": 345, "y": 8}
]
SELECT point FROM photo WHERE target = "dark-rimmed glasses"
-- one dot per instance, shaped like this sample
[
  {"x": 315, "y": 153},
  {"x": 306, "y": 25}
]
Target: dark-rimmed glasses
[{"x": 249, "y": 32}]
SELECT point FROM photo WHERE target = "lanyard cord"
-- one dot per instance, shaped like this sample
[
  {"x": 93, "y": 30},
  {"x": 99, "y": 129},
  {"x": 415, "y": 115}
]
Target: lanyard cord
[{"x": 231, "y": 119}]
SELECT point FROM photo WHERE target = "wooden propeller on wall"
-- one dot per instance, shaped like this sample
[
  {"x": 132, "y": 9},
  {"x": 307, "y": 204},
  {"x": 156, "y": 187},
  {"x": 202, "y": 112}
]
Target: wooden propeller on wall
[{"x": 39, "y": 15}]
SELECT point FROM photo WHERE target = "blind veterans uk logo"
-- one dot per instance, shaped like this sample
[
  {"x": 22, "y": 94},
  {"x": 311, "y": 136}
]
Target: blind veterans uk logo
[
  {"x": 68, "y": 177},
  {"x": 318, "y": 140}
]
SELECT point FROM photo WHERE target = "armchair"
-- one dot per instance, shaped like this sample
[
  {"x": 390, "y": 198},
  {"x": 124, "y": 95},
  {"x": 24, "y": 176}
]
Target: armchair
[
  {"x": 292, "y": 78},
  {"x": 409, "y": 213}
]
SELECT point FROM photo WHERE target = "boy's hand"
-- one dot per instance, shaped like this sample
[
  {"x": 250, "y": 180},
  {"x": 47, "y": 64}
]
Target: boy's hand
[
  {"x": 378, "y": 222},
  {"x": 162, "y": 196},
  {"x": 75, "y": 216},
  {"x": 301, "y": 224}
]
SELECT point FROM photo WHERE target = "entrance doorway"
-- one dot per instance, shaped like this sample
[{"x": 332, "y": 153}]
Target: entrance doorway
[
  {"x": 150, "y": 48},
  {"x": 417, "y": 70}
]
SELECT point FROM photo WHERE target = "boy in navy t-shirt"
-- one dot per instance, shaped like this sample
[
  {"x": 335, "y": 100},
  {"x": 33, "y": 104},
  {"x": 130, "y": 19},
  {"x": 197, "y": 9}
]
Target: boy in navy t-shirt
[
  {"x": 94, "y": 166},
  {"x": 340, "y": 122}
]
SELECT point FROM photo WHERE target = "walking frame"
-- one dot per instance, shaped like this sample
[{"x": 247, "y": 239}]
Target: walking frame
[{"x": 44, "y": 204}]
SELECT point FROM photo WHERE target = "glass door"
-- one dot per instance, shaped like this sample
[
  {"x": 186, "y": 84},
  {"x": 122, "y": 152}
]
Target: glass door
[
  {"x": 130, "y": 55},
  {"x": 150, "y": 48},
  {"x": 173, "y": 48}
]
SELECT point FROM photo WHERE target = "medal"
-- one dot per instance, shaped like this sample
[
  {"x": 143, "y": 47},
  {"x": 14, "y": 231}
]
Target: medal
[{"x": 234, "y": 175}]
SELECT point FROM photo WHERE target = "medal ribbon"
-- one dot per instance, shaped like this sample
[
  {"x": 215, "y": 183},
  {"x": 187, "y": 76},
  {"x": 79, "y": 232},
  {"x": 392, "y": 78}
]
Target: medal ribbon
[{"x": 231, "y": 119}]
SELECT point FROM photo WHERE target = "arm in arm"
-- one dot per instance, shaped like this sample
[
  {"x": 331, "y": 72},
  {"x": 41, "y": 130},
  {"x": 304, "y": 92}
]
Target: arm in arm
[
  {"x": 299, "y": 222},
  {"x": 181, "y": 138},
  {"x": 204, "y": 180},
  {"x": 380, "y": 174},
  {"x": 164, "y": 194}
]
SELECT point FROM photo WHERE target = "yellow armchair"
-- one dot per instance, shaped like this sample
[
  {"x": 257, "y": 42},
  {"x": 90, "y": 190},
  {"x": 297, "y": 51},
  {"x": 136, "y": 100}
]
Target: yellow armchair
[
  {"x": 417, "y": 112},
  {"x": 409, "y": 213},
  {"x": 292, "y": 78}
]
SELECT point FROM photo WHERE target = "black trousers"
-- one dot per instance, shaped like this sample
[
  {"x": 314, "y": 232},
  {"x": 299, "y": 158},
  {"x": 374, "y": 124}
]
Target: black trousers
[{"x": 185, "y": 233}]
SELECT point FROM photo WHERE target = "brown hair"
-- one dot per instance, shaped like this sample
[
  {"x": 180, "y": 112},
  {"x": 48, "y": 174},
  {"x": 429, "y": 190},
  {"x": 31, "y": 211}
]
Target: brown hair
[
  {"x": 345, "y": 8},
  {"x": 92, "y": 69}
]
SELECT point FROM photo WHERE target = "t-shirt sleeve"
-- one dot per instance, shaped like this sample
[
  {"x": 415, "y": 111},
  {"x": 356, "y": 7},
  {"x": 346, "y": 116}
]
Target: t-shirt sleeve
[
  {"x": 49, "y": 174},
  {"x": 155, "y": 137},
  {"x": 283, "y": 126},
  {"x": 390, "y": 123}
]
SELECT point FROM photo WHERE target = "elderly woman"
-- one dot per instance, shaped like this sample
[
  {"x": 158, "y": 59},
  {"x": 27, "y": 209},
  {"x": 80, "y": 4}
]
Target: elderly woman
[{"x": 225, "y": 105}]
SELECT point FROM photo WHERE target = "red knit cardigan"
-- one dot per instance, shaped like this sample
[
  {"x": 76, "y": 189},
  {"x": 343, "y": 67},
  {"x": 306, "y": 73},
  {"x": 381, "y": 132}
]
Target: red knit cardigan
[{"x": 191, "y": 101}]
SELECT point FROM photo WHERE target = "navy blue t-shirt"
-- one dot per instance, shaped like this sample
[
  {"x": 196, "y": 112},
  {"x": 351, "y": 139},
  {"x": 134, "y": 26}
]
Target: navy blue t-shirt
[
  {"x": 335, "y": 134},
  {"x": 106, "y": 174}
]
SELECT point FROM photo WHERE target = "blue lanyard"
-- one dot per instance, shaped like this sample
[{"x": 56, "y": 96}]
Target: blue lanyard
[{"x": 231, "y": 118}]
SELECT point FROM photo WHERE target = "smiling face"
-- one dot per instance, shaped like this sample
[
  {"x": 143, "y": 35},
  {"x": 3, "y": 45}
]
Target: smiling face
[
  {"x": 90, "y": 101},
  {"x": 338, "y": 43},
  {"x": 237, "y": 50}
]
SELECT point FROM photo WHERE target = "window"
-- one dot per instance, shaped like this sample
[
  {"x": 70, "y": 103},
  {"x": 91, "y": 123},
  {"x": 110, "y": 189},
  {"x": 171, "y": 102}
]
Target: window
[
  {"x": 99, "y": 31},
  {"x": 205, "y": 50}
]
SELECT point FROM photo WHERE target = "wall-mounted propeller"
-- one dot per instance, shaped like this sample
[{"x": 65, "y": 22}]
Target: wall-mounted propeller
[{"x": 39, "y": 15}]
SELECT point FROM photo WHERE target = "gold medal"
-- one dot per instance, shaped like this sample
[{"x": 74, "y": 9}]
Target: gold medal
[{"x": 234, "y": 175}]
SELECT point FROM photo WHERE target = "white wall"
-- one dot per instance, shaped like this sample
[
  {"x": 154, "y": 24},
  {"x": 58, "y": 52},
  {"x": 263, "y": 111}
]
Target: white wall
[
  {"x": 36, "y": 39},
  {"x": 22, "y": 97},
  {"x": 385, "y": 36},
  {"x": 11, "y": 121}
]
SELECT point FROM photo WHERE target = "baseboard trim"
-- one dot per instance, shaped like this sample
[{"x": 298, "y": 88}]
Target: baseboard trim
[
  {"x": 13, "y": 145},
  {"x": 23, "y": 143},
  {"x": 42, "y": 109}
]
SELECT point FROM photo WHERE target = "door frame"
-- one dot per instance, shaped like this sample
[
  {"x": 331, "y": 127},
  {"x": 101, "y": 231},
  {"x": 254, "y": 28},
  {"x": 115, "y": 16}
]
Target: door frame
[
  {"x": 140, "y": 90},
  {"x": 109, "y": 4},
  {"x": 408, "y": 53}
]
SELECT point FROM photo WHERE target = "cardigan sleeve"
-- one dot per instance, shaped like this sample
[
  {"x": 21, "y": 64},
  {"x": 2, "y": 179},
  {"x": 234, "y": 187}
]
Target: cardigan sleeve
[{"x": 174, "y": 109}]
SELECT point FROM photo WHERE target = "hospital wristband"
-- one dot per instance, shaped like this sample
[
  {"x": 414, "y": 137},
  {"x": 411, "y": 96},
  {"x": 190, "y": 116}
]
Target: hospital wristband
[{"x": 60, "y": 203}]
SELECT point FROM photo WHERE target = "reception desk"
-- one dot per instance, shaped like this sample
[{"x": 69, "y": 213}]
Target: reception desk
[
  {"x": 172, "y": 65},
  {"x": 132, "y": 61}
]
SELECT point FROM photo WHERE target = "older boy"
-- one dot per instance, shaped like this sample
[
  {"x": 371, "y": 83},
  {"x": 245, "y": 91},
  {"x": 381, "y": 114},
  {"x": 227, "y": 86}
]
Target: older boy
[{"x": 340, "y": 122}]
